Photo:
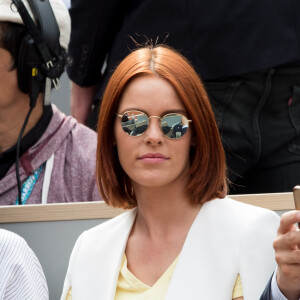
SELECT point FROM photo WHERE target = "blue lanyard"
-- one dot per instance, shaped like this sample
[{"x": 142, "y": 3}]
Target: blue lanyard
[{"x": 28, "y": 185}]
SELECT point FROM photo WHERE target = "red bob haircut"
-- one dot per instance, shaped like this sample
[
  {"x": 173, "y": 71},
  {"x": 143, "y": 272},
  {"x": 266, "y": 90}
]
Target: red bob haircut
[{"x": 207, "y": 158}]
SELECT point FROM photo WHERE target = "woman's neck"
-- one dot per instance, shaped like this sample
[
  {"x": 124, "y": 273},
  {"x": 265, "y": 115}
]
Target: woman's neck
[
  {"x": 162, "y": 211},
  {"x": 164, "y": 218}
]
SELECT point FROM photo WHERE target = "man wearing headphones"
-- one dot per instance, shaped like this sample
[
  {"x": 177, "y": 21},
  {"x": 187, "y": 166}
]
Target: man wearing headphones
[{"x": 54, "y": 161}]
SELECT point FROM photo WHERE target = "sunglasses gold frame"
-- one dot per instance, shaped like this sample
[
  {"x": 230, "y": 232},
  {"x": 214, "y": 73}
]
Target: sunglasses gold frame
[{"x": 161, "y": 127}]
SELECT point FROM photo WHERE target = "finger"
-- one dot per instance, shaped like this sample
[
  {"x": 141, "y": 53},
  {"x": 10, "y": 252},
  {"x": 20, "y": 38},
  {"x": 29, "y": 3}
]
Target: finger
[
  {"x": 292, "y": 272},
  {"x": 288, "y": 220},
  {"x": 287, "y": 257},
  {"x": 287, "y": 241}
]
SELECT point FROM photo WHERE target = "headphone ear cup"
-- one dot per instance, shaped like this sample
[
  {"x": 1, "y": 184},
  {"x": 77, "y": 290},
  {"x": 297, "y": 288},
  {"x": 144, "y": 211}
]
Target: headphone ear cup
[{"x": 28, "y": 58}]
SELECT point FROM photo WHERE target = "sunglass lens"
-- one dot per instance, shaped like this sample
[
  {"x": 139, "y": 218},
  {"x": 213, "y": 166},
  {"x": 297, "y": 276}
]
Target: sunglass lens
[
  {"x": 134, "y": 122},
  {"x": 174, "y": 126}
]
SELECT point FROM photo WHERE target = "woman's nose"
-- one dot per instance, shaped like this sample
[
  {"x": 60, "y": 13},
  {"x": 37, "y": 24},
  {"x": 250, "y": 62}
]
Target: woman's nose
[{"x": 154, "y": 135}]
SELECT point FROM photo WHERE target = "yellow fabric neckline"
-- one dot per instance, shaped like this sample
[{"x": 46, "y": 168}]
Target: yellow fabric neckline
[{"x": 137, "y": 282}]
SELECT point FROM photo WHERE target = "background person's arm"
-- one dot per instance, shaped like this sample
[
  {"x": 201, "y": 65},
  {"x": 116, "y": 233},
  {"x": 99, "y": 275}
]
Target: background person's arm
[
  {"x": 89, "y": 46},
  {"x": 94, "y": 25},
  {"x": 82, "y": 101}
]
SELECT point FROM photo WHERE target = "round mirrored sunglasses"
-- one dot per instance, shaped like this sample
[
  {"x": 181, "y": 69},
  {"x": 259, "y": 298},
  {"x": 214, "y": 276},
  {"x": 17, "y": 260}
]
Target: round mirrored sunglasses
[{"x": 173, "y": 125}]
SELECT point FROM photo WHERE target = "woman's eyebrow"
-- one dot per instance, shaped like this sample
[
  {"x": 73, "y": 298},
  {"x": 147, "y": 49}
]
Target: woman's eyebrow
[
  {"x": 131, "y": 109},
  {"x": 165, "y": 112},
  {"x": 170, "y": 111}
]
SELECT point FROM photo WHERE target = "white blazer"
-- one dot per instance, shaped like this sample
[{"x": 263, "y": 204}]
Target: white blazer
[{"x": 227, "y": 238}]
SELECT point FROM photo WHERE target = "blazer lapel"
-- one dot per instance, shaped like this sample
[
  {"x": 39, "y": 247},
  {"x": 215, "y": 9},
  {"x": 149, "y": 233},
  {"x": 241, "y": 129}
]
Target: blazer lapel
[
  {"x": 111, "y": 257},
  {"x": 200, "y": 259},
  {"x": 183, "y": 279}
]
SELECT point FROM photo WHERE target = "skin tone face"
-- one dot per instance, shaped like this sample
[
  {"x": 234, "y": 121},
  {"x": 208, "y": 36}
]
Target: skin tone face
[
  {"x": 8, "y": 80},
  {"x": 14, "y": 104},
  {"x": 152, "y": 160}
]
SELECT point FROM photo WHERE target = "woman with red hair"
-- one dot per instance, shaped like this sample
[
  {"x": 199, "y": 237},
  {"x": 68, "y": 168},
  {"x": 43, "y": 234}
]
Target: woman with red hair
[{"x": 160, "y": 156}]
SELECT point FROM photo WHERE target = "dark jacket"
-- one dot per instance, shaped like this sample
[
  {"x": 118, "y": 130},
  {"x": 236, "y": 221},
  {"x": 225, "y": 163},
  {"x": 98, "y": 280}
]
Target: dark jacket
[
  {"x": 266, "y": 295},
  {"x": 220, "y": 37}
]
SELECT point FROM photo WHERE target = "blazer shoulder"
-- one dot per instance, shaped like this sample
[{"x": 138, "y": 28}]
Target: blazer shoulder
[
  {"x": 250, "y": 212},
  {"x": 116, "y": 224},
  {"x": 248, "y": 218}
]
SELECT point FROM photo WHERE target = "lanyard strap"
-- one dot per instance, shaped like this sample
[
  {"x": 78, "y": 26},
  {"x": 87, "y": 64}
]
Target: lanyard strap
[
  {"x": 28, "y": 185},
  {"x": 47, "y": 178}
]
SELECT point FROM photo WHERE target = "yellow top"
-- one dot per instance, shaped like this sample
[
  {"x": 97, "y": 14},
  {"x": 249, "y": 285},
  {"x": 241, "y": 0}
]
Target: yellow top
[
  {"x": 69, "y": 296},
  {"x": 238, "y": 288},
  {"x": 129, "y": 287}
]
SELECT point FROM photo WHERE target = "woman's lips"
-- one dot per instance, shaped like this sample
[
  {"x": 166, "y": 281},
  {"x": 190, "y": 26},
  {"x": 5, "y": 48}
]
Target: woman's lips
[{"x": 153, "y": 157}]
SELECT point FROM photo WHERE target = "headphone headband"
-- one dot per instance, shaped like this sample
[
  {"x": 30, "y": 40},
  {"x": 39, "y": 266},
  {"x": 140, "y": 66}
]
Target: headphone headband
[
  {"x": 47, "y": 37},
  {"x": 48, "y": 26}
]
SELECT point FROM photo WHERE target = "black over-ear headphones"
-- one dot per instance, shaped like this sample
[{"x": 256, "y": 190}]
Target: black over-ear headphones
[{"x": 40, "y": 54}]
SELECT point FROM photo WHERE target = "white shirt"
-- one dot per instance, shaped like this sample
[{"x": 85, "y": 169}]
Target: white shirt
[
  {"x": 21, "y": 275},
  {"x": 67, "y": 3}
]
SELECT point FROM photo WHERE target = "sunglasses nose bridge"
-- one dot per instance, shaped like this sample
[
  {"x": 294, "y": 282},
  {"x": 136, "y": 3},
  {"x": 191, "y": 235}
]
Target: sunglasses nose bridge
[{"x": 154, "y": 117}]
